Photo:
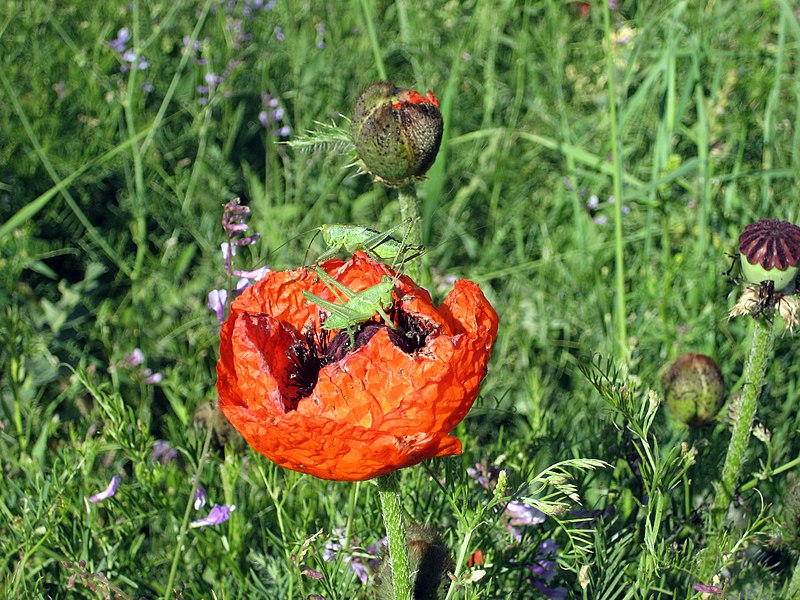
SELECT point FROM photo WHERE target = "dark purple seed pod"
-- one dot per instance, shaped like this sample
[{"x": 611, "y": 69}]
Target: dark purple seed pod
[{"x": 770, "y": 251}]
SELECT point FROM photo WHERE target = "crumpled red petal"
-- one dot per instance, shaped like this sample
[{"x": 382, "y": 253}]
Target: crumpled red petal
[{"x": 377, "y": 409}]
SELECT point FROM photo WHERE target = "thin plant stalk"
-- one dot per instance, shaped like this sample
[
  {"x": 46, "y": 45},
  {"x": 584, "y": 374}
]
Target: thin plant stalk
[
  {"x": 173, "y": 571},
  {"x": 619, "y": 257},
  {"x": 755, "y": 369},
  {"x": 409, "y": 211},
  {"x": 396, "y": 535}
]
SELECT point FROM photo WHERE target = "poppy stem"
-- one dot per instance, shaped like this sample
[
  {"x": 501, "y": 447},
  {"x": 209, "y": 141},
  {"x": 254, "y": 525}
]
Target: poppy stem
[
  {"x": 396, "y": 534},
  {"x": 409, "y": 211},
  {"x": 756, "y": 368}
]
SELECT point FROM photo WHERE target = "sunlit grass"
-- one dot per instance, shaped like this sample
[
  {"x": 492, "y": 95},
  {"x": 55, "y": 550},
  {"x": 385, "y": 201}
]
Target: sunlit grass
[{"x": 112, "y": 182}]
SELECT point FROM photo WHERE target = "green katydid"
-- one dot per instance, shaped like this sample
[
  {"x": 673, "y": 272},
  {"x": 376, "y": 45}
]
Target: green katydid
[
  {"x": 356, "y": 307},
  {"x": 378, "y": 245}
]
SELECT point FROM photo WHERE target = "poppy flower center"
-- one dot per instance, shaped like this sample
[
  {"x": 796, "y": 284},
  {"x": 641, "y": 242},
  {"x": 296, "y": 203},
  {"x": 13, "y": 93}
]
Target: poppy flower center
[{"x": 315, "y": 349}]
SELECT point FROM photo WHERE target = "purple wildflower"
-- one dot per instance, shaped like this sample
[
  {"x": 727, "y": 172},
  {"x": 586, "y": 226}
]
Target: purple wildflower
[
  {"x": 216, "y": 302},
  {"x": 135, "y": 61},
  {"x": 552, "y": 593},
  {"x": 601, "y": 220},
  {"x": 273, "y": 114},
  {"x": 613, "y": 4},
  {"x": 119, "y": 43},
  {"x": 279, "y": 34},
  {"x": 151, "y": 378},
  {"x": 361, "y": 563},
  {"x": 254, "y": 275},
  {"x": 218, "y": 514},
  {"x": 108, "y": 492},
  {"x": 320, "y": 27},
  {"x": 199, "y": 497},
  {"x": 212, "y": 79},
  {"x": 193, "y": 45},
  {"x": 544, "y": 570},
  {"x": 484, "y": 475},
  {"x": 134, "y": 358},
  {"x": 593, "y": 202},
  {"x": 523, "y": 514},
  {"x": 163, "y": 452}
]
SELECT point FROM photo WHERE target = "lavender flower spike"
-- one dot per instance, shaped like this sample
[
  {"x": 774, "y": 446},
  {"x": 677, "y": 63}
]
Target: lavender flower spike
[
  {"x": 108, "y": 492},
  {"x": 163, "y": 452},
  {"x": 219, "y": 514}
]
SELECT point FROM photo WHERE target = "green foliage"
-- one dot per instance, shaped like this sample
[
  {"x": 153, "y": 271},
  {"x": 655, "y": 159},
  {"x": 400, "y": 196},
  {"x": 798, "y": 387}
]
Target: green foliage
[{"x": 111, "y": 188}]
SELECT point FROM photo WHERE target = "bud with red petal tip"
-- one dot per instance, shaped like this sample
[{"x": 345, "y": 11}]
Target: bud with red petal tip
[
  {"x": 770, "y": 251},
  {"x": 694, "y": 389},
  {"x": 396, "y": 132}
]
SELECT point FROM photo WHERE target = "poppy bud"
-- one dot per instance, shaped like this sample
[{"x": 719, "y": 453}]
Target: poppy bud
[
  {"x": 694, "y": 389},
  {"x": 791, "y": 514},
  {"x": 396, "y": 132},
  {"x": 770, "y": 251},
  {"x": 429, "y": 560}
]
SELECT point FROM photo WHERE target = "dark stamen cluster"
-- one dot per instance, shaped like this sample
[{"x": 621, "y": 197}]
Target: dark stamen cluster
[
  {"x": 308, "y": 354},
  {"x": 314, "y": 349}
]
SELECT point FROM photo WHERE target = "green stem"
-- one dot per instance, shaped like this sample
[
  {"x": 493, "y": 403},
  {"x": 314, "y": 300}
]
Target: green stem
[
  {"x": 396, "y": 534},
  {"x": 409, "y": 211},
  {"x": 366, "y": 9},
  {"x": 179, "y": 549},
  {"x": 620, "y": 311},
  {"x": 756, "y": 368}
]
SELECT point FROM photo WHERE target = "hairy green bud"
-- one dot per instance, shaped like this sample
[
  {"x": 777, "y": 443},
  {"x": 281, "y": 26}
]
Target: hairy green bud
[
  {"x": 396, "y": 132},
  {"x": 430, "y": 562},
  {"x": 694, "y": 389}
]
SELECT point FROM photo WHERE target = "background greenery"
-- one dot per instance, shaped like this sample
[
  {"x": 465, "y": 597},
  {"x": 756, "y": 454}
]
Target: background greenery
[{"x": 111, "y": 188}]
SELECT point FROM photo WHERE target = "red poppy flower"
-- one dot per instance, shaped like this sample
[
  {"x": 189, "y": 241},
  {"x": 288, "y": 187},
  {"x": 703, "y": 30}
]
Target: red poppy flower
[{"x": 307, "y": 400}]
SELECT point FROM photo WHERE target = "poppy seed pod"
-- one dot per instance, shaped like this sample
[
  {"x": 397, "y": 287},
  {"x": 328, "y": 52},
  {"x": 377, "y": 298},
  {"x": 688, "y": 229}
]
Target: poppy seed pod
[
  {"x": 396, "y": 132},
  {"x": 694, "y": 389},
  {"x": 770, "y": 251}
]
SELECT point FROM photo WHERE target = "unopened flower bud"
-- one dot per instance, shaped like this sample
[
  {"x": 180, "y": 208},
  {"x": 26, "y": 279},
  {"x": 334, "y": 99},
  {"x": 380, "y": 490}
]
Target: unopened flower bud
[
  {"x": 429, "y": 559},
  {"x": 694, "y": 389},
  {"x": 396, "y": 132},
  {"x": 770, "y": 251}
]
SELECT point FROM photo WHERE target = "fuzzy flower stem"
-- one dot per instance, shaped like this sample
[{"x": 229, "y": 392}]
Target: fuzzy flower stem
[
  {"x": 396, "y": 533},
  {"x": 794, "y": 585},
  {"x": 756, "y": 368},
  {"x": 409, "y": 211}
]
